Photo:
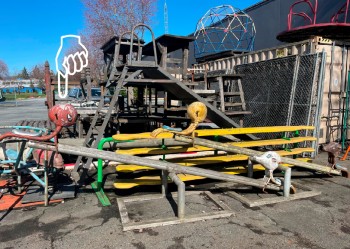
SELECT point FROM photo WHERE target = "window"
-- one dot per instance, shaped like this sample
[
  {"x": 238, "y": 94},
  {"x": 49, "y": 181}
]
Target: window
[{"x": 95, "y": 92}]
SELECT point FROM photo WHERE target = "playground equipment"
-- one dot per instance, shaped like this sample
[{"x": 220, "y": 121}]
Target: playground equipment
[
  {"x": 176, "y": 167},
  {"x": 125, "y": 70},
  {"x": 17, "y": 161},
  {"x": 223, "y": 29},
  {"x": 336, "y": 29}
]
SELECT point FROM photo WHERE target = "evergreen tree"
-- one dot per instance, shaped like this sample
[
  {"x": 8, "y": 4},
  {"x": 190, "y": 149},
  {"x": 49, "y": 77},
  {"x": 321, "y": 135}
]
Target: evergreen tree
[{"x": 24, "y": 74}]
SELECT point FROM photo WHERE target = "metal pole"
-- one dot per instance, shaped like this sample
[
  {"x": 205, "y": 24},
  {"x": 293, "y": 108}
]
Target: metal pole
[
  {"x": 172, "y": 167},
  {"x": 46, "y": 187},
  {"x": 319, "y": 102},
  {"x": 292, "y": 94},
  {"x": 287, "y": 180},
  {"x": 164, "y": 176},
  {"x": 249, "y": 152},
  {"x": 329, "y": 117},
  {"x": 180, "y": 195},
  {"x": 250, "y": 169},
  {"x": 18, "y": 165}
]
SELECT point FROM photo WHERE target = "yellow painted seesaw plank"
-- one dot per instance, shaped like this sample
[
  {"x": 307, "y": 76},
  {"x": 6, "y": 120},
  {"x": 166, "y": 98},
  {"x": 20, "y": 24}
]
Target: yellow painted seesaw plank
[
  {"x": 217, "y": 132},
  {"x": 156, "y": 180},
  {"x": 208, "y": 160},
  {"x": 182, "y": 149}
]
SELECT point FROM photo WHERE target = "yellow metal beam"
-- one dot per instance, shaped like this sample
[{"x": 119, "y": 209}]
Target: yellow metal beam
[
  {"x": 181, "y": 149},
  {"x": 218, "y": 132}
]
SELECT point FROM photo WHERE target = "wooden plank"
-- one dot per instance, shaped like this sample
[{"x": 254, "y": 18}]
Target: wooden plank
[
  {"x": 231, "y": 93},
  {"x": 219, "y": 132},
  {"x": 216, "y": 200},
  {"x": 124, "y": 216},
  {"x": 233, "y": 113},
  {"x": 230, "y": 104},
  {"x": 175, "y": 220},
  {"x": 244, "y": 108}
]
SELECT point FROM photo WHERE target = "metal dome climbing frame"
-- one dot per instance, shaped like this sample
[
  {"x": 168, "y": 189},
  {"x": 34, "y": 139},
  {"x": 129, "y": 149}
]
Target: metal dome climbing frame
[{"x": 224, "y": 28}]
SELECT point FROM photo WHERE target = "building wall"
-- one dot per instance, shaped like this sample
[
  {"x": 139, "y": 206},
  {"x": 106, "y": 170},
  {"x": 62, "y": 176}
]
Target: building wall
[{"x": 270, "y": 18}]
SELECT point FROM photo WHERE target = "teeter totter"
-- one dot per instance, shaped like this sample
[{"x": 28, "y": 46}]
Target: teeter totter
[{"x": 183, "y": 169}]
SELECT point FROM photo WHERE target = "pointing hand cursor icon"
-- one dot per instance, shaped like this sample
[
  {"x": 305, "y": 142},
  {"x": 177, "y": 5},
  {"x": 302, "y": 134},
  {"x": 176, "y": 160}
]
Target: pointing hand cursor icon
[{"x": 72, "y": 64}]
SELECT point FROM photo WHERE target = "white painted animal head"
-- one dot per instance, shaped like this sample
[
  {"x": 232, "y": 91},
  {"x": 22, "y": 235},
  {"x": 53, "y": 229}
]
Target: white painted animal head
[{"x": 269, "y": 160}]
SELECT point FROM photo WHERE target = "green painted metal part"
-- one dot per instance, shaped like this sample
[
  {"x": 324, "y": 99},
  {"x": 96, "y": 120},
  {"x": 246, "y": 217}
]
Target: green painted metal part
[
  {"x": 97, "y": 186},
  {"x": 346, "y": 115}
]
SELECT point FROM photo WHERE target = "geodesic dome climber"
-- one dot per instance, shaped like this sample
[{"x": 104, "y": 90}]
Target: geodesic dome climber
[{"x": 224, "y": 28}]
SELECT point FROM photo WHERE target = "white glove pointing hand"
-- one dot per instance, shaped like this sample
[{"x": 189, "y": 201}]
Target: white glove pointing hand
[{"x": 72, "y": 63}]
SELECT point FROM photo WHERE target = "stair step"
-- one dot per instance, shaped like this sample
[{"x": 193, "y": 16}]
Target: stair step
[
  {"x": 232, "y": 93},
  {"x": 161, "y": 81},
  {"x": 230, "y": 104},
  {"x": 204, "y": 92},
  {"x": 191, "y": 83},
  {"x": 233, "y": 113},
  {"x": 174, "y": 109}
]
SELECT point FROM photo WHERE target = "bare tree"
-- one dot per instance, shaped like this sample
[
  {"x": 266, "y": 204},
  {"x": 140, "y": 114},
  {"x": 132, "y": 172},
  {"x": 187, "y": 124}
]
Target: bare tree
[
  {"x": 106, "y": 18},
  {"x": 4, "y": 71},
  {"x": 38, "y": 71}
]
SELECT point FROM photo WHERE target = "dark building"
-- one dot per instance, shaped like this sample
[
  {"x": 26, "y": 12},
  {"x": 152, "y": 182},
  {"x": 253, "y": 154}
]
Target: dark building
[{"x": 270, "y": 18}]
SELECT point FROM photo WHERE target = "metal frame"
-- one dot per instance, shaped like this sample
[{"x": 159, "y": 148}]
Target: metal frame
[
  {"x": 224, "y": 28},
  {"x": 306, "y": 17},
  {"x": 21, "y": 166}
]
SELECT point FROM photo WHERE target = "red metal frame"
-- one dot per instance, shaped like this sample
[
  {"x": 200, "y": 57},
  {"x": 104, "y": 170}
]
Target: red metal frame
[
  {"x": 306, "y": 17},
  {"x": 343, "y": 10}
]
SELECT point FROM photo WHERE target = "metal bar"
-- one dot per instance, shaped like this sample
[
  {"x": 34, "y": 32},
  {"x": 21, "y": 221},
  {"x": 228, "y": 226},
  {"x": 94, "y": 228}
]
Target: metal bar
[
  {"x": 329, "y": 118},
  {"x": 41, "y": 182},
  {"x": 46, "y": 180},
  {"x": 294, "y": 85},
  {"x": 164, "y": 176},
  {"x": 250, "y": 169},
  {"x": 287, "y": 180},
  {"x": 249, "y": 152},
  {"x": 180, "y": 195},
  {"x": 319, "y": 102},
  {"x": 112, "y": 156},
  {"x": 17, "y": 165},
  {"x": 311, "y": 94}
]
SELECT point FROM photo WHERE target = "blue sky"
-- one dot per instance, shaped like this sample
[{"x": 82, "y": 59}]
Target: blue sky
[{"x": 30, "y": 30}]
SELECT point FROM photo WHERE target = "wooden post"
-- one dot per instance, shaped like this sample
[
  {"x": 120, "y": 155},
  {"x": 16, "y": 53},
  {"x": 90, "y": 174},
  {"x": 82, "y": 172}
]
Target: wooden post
[
  {"x": 222, "y": 97},
  {"x": 184, "y": 63},
  {"x": 164, "y": 55},
  {"x": 49, "y": 93}
]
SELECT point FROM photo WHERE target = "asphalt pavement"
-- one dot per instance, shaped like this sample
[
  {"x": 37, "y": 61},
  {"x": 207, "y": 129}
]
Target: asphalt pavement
[
  {"x": 29, "y": 109},
  {"x": 316, "y": 222}
]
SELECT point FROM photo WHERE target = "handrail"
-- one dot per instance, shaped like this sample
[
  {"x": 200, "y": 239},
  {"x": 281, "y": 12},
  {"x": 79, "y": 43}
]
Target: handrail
[
  {"x": 303, "y": 14},
  {"x": 153, "y": 41},
  {"x": 343, "y": 10}
]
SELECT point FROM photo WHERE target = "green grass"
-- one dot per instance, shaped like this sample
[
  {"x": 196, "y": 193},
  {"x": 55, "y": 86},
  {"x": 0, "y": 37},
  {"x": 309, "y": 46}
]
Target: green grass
[{"x": 11, "y": 96}]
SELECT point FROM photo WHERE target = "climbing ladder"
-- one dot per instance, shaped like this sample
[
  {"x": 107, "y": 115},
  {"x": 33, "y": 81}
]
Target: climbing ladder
[{"x": 224, "y": 91}]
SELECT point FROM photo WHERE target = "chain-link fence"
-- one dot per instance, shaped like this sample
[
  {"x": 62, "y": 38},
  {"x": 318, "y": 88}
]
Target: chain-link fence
[{"x": 282, "y": 91}]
